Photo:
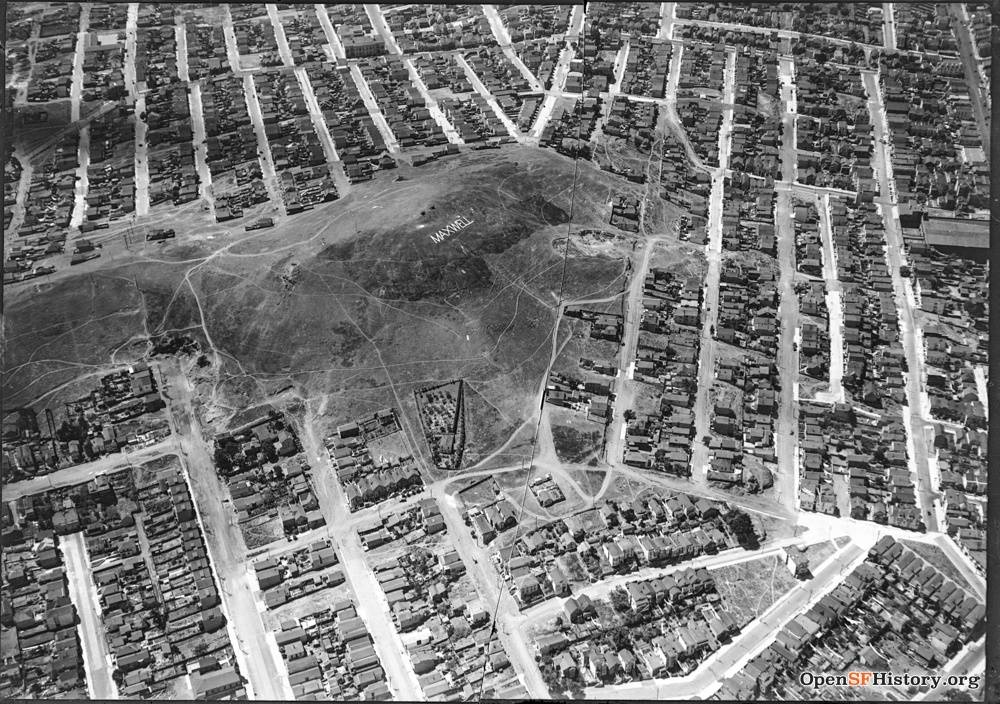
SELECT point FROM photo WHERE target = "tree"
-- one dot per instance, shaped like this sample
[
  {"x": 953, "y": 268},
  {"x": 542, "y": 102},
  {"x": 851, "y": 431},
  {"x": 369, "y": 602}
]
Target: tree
[
  {"x": 619, "y": 600},
  {"x": 222, "y": 460},
  {"x": 742, "y": 527}
]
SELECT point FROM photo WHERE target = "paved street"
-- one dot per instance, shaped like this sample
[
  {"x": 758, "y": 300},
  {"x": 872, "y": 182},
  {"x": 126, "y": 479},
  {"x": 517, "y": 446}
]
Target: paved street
[
  {"x": 373, "y": 109},
  {"x": 80, "y": 473},
  {"x": 668, "y": 13},
  {"x": 432, "y": 105},
  {"x": 75, "y": 100},
  {"x": 708, "y": 677},
  {"x": 889, "y": 26},
  {"x": 975, "y": 76},
  {"x": 259, "y": 660},
  {"x": 249, "y": 623},
  {"x": 624, "y": 385},
  {"x": 141, "y": 160},
  {"x": 279, "y": 35},
  {"x": 913, "y": 416},
  {"x": 382, "y": 28},
  {"x": 782, "y": 33},
  {"x": 492, "y": 591},
  {"x": 331, "y": 35},
  {"x": 485, "y": 93},
  {"x": 268, "y": 173},
  {"x": 370, "y": 599},
  {"x": 232, "y": 50},
  {"x": 502, "y": 36},
  {"x": 713, "y": 254},
  {"x": 834, "y": 307},
  {"x": 786, "y": 440},
  {"x": 97, "y": 660},
  {"x": 201, "y": 146},
  {"x": 566, "y": 56}
]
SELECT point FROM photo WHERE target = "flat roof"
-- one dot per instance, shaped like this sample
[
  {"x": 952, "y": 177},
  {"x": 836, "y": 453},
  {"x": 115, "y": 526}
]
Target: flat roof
[{"x": 957, "y": 232}]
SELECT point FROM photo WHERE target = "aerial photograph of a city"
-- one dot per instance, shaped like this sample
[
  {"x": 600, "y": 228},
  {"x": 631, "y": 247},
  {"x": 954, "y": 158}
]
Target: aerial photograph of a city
[{"x": 439, "y": 352}]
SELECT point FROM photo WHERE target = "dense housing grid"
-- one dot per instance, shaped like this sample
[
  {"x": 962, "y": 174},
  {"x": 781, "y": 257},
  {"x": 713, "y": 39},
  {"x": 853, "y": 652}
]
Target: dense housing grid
[{"x": 403, "y": 351}]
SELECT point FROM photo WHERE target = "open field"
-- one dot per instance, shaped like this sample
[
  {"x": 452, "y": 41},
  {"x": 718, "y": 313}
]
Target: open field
[
  {"x": 354, "y": 311},
  {"x": 749, "y": 588}
]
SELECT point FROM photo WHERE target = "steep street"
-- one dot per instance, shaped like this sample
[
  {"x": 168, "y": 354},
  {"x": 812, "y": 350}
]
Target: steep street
[
  {"x": 373, "y": 109},
  {"x": 80, "y": 473},
  {"x": 490, "y": 99},
  {"x": 913, "y": 416},
  {"x": 260, "y": 662},
  {"x": 492, "y": 591},
  {"x": 889, "y": 26},
  {"x": 432, "y": 106},
  {"x": 708, "y": 677},
  {"x": 786, "y": 438},
  {"x": 331, "y": 35},
  {"x": 834, "y": 300},
  {"x": 139, "y": 98},
  {"x": 96, "y": 656},
  {"x": 668, "y": 13},
  {"x": 503, "y": 40},
  {"x": 615, "y": 448},
  {"x": 713, "y": 253},
  {"x": 670, "y": 104},
  {"x": 200, "y": 145},
  {"x": 381, "y": 28},
  {"x": 279, "y": 35},
  {"x": 975, "y": 76},
  {"x": 566, "y": 56},
  {"x": 76, "y": 99},
  {"x": 370, "y": 599}
]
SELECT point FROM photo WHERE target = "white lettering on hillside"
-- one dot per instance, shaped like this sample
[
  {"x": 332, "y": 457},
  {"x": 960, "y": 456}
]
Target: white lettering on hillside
[{"x": 450, "y": 229}]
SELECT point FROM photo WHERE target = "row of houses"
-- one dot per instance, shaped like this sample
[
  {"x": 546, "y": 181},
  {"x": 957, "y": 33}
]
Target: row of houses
[
  {"x": 869, "y": 451},
  {"x": 833, "y": 130},
  {"x": 367, "y": 480},
  {"x": 42, "y": 654},
  {"x": 929, "y": 165},
  {"x": 124, "y": 410},
  {"x": 159, "y": 602},
  {"x": 401, "y": 102},
  {"x": 268, "y": 479},
  {"x": 329, "y": 654},
  {"x": 862, "y": 623},
  {"x": 609, "y": 24},
  {"x": 593, "y": 398},
  {"x": 298, "y": 156},
  {"x": 422, "y": 28},
  {"x": 289, "y": 576},
  {"x": 672, "y": 623},
  {"x": 527, "y": 22},
  {"x": 667, "y": 352},
  {"x": 755, "y": 136},
  {"x": 744, "y": 396},
  {"x": 429, "y": 593},
  {"x": 359, "y": 143},
  {"x": 548, "y": 560},
  {"x": 169, "y": 136},
  {"x": 942, "y": 177}
]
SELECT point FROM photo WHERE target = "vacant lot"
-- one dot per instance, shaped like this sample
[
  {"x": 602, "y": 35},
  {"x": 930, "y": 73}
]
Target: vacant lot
[
  {"x": 351, "y": 306},
  {"x": 749, "y": 588}
]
